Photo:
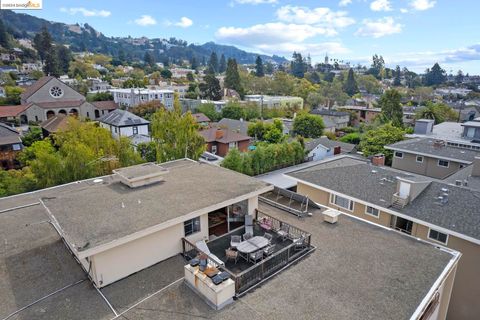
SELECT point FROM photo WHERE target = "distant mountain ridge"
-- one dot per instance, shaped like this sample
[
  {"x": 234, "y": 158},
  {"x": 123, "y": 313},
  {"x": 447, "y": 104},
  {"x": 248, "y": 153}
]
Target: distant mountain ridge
[{"x": 85, "y": 37}]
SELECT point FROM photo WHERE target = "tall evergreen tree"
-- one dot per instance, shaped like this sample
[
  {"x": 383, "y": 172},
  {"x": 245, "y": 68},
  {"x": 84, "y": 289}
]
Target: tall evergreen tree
[
  {"x": 149, "y": 59},
  {"x": 64, "y": 56},
  {"x": 268, "y": 68},
  {"x": 194, "y": 63},
  {"x": 213, "y": 62},
  {"x": 459, "y": 77},
  {"x": 232, "y": 77},
  {"x": 350, "y": 86},
  {"x": 42, "y": 42},
  {"x": 391, "y": 108},
  {"x": 52, "y": 65},
  {"x": 210, "y": 88},
  {"x": 435, "y": 76},
  {"x": 4, "y": 37},
  {"x": 259, "y": 70},
  {"x": 397, "y": 80},
  {"x": 298, "y": 65},
  {"x": 223, "y": 64}
]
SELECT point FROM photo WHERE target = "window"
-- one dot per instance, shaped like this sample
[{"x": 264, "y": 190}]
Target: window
[
  {"x": 16, "y": 147},
  {"x": 56, "y": 92},
  {"x": 341, "y": 202},
  {"x": 135, "y": 130},
  {"x": 443, "y": 163},
  {"x": 191, "y": 226},
  {"x": 372, "y": 211},
  {"x": 470, "y": 132},
  {"x": 419, "y": 159},
  {"x": 232, "y": 145},
  {"x": 437, "y": 236},
  {"x": 115, "y": 129},
  {"x": 214, "y": 149},
  {"x": 398, "y": 154}
]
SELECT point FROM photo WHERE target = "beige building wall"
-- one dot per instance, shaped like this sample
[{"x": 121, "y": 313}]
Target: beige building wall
[
  {"x": 119, "y": 262},
  {"x": 429, "y": 167},
  {"x": 465, "y": 299}
]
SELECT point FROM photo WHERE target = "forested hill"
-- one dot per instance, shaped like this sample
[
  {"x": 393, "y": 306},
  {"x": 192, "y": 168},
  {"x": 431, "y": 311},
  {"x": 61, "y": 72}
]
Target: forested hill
[{"x": 84, "y": 37}]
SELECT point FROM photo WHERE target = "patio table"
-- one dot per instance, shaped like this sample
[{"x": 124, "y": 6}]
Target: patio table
[{"x": 252, "y": 244}]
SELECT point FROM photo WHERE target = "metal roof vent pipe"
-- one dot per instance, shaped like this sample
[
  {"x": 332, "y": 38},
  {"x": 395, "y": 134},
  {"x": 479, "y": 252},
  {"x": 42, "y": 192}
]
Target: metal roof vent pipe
[{"x": 378, "y": 159}]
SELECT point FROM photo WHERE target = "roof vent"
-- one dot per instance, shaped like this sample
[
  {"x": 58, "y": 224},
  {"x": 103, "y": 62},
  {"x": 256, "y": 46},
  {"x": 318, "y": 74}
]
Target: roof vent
[
  {"x": 465, "y": 182},
  {"x": 458, "y": 182},
  {"x": 141, "y": 175},
  {"x": 439, "y": 143}
]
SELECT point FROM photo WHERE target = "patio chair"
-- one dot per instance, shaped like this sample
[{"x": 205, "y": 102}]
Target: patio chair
[
  {"x": 257, "y": 255},
  {"x": 235, "y": 241},
  {"x": 283, "y": 232},
  {"x": 269, "y": 237},
  {"x": 231, "y": 254},
  {"x": 249, "y": 224},
  {"x": 269, "y": 250},
  {"x": 299, "y": 244},
  {"x": 202, "y": 245},
  {"x": 266, "y": 224},
  {"x": 247, "y": 236}
]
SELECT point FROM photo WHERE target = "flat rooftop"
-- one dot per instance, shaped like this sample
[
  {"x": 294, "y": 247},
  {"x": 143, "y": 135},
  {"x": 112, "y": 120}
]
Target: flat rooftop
[
  {"x": 357, "y": 269},
  {"x": 97, "y": 211}
]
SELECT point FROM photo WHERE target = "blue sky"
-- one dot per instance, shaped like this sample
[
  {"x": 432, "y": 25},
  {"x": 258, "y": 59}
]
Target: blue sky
[{"x": 412, "y": 33}]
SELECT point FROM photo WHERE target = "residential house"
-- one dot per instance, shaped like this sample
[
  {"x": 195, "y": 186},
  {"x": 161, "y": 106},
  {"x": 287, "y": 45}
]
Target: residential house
[
  {"x": 54, "y": 125},
  {"x": 123, "y": 123},
  {"x": 98, "y": 85},
  {"x": 104, "y": 107},
  {"x": 28, "y": 68},
  {"x": 219, "y": 141},
  {"x": 201, "y": 119},
  {"x": 340, "y": 119},
  {"x": 363, "y": 114},
  {"x": 2, "y": 92},
  {"x": 181, "y": 72},
  {"x": 193, "y": 104},
  {"x": 10, "y": 146},
  {"x": 8, "y": 69},
  {"x": 132, "y": 97},
  {"x": 439, "y": 212},
  {"x": 108, "y": 229},
  {"x": 471, "y": 130},
  {"x": 321, "y": 148},
  {"x": 13, "y": 114},
  {"x": 430, "y": 157},
  {"x": 238, "y": 126}
]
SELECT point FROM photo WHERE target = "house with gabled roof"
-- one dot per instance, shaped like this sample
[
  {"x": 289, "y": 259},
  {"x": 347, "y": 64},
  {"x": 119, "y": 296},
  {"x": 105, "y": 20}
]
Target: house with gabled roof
[
  {"x": 124, "y": 123},
  {"x": 10, "y": 146}
]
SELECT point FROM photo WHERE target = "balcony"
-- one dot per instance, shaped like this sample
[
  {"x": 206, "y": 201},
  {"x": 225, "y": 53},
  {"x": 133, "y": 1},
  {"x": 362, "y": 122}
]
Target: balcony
[{"x": 245, "y": 273}]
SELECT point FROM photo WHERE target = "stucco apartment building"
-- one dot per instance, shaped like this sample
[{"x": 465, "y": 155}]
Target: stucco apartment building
[
  {"x": 359, "y": 271},
  {"x": 431, "y": 157},
  {"x": 439, "y": 212},
  {"x": 132, "y": 97}
]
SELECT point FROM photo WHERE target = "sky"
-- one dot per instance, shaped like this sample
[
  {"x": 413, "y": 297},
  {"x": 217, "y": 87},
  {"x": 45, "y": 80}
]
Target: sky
[{"x": 411, "y": 33}]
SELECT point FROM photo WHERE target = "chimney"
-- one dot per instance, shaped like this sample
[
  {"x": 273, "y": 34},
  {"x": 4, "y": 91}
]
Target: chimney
[
  {"x": 378, "y": 159},
  {"x": 438, "y": 144},
  {"x": 218, "y": 133},
  {"x": 476, "y": 167}
]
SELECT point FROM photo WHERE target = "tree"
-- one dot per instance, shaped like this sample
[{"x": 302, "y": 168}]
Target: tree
[
  {"x": 34, "y": 134},
  {"x": 194, "y": 63},
  {"x": 52, "y": 65},
  {"x": 350, "y": 86},
  {"x": 459, "y": 77},
  {"x": 209, "y": 110},
  {"x": 12, "y": 95},
  {"x": 308, "y": 126},
  {"x": 233, "y": 110},
  {"x": 64, "y": 56},
  {"x": 233, "y": 160},
  {"x": 259, "y": 70},
  {"x": 298, "y": 65},
  {"x": 435, "y": 76},
  {"x": 439, "y": 112},
  {"x": 42, "y": 42},
  {"x": 222, "y": 67},
  {"x": 4, "y": 37},
  {"x": 397, "y": 80},
  {"x": 175, "y": 134},
  {"x": 190, "y": 77},
  {"x": 329, "y": 76},
  {"x": 213, "y": 62},
  {"x": 148, "y": 151},
  {"x": 391, "y": 107},
  {"x": 374, "y": 140},
  {"x": 147, "y": 109},
  {"x": 232, "y": 77},
  {"x": 166, "y": 74},
  {"x": 149, "y": 59},
  {"x": 377, "y": 68},
  {"x": 210, "y": 88}
]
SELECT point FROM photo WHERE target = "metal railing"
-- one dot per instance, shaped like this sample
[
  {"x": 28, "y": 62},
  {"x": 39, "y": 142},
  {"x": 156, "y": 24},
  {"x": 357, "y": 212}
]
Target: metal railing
[{"x": 263, "y": 269}]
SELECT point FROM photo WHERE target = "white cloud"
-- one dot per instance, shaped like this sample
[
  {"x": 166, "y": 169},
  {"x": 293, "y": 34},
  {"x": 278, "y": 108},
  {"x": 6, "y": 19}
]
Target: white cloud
[
  {"x": 379, "y": 28},
  {"x": 381, "y": 5},
  {"x": 87, "y": 12},
  {"x": 184, "y": 22},
  {"x": 422, "y": 5},
  {"x": 255, "y": 2},
  {"x": 344, "y": 3},
  {"x": 316, "y": 49},
  {"x": 145, "y": 20},
  {"x": 403, "y": 10},
  {"x": 319, "y": 16}
]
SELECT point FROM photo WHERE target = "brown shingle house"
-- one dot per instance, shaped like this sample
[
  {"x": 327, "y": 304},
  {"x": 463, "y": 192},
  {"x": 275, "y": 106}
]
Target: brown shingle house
[
  {"x": 10, "y": 146},
  {"x": 220, "y": 141}
]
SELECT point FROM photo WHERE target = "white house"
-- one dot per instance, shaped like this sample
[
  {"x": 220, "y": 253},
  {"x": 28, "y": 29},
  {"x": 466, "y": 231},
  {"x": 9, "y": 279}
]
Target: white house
[
  {"x": 124, "y": 123},
  {"x": 321, "y": 148},
  {"x": 135, "y": 96}
]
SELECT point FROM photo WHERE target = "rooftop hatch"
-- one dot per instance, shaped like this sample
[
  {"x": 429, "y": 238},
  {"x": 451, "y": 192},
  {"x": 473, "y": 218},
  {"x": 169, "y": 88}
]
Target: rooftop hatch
[{"x": 141, "y": 175}]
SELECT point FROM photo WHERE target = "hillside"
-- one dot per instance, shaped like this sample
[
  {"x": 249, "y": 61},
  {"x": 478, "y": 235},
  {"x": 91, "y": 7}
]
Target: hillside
[{"x": 84, "y": 37}]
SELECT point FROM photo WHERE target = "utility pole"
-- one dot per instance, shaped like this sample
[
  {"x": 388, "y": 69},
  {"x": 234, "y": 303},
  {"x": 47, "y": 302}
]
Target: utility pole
[{"x": 261, "y": 107}]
